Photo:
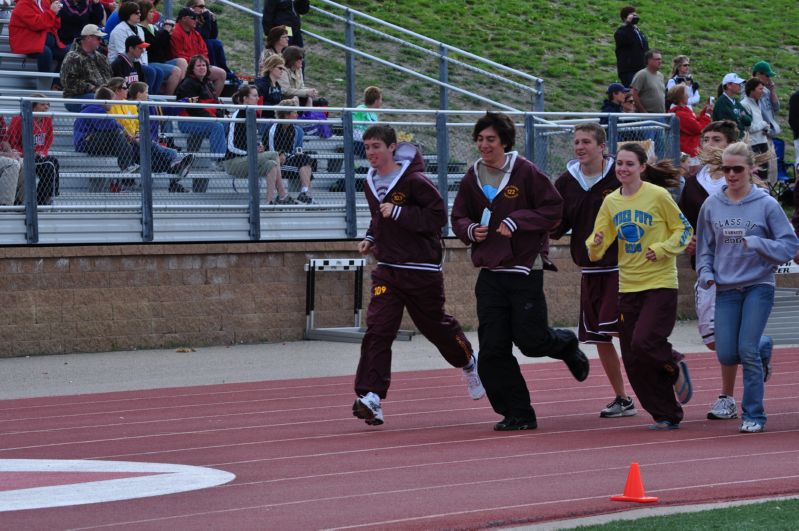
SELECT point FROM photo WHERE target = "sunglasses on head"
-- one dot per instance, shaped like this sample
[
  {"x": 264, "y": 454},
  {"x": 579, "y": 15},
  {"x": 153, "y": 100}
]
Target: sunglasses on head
[{"x": 733, "y": 169}]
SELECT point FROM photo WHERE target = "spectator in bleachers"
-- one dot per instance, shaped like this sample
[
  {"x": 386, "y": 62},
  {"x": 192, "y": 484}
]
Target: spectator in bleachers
[
  {"x": 236, "y": 159},
  {"x": 793, "y": 122},
  {"x": 112, "y": 20},
  {"x": 286, "y": 13},
  {"x": 188, "y": 43},
  {"x": 46, "y": 165},
  {"x": 109, "y": 6},
  {"x": 769, "y": 105},
  {"x": 157, "y": 73},
  {"x": 276, "y": 42},
  {"x": 127, "y": 65},
  {"x": 268, "y": 86},
  {"x": 160, "y": 41},
  {"x": 728, "y": 107},
  {"x": 631, "y": 45},
  {"x": 10, "y": 168},
  {"x": 207, "y": 27},
  {"x": 75, "y": 14},
  {"x": 33, "y": 31},
  {"x": 292, "y": 81},
  {"x": 160, "y": 50},
  {"x": 84, "y": 69},
  {"x": 613, "y": 103},
  {"x": 103, "y": 136},
  {"x": 197, "y": 87},
  {"x": 372, "y": 99},
  {"x": 164, "y": 159},
  {"x": 286, "y": 139},
  {"x": 691, "y": 124},
  {"x": 681, "y": 73}
]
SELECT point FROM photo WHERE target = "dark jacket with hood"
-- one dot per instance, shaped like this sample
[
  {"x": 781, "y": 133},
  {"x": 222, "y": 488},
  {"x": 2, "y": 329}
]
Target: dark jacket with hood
[
  {"x": 526, "y": 203},
  {"x": 411, "y": 237},
  {"x": 580, "y": 207}
]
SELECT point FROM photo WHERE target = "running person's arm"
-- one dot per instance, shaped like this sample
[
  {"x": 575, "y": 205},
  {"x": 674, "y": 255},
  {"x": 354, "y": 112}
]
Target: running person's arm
[
  {"x": 705, "y": 248},
  {"x": 679, "y": 229},
  {"x": 783, "y": 244},
  {"x": 603, "y": 235}
]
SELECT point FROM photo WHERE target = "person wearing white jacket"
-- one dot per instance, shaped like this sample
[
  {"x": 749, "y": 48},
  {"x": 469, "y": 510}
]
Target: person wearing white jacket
[{"x": 759, "y": 130}]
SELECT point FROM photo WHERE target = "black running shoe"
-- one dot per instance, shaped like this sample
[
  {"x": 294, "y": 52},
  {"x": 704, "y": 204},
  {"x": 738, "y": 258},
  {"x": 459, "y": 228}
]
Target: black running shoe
[
  {"x": 578, "y": 365},
  {"x": 515, "y": 424}
]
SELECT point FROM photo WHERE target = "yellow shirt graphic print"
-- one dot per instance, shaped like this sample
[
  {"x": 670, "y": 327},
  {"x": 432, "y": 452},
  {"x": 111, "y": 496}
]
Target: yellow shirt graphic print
[{"x": 648, "y": 219}]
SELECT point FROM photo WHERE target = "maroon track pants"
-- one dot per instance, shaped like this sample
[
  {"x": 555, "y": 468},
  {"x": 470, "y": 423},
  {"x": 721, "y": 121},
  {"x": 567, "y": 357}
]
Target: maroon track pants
[
  {"x": 422, "y": 293},
  {"x": 645, "y": 323}
]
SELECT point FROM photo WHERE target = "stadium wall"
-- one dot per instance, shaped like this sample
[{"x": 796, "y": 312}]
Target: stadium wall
[{"x": 99, "y": 298}]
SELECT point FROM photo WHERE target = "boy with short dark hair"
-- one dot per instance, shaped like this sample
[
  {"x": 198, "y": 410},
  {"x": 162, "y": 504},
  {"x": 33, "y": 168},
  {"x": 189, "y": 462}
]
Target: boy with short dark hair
[{"x": 405, "y": 237}]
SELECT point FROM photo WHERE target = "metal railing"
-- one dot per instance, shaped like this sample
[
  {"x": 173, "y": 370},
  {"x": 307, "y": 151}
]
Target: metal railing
[
  {"x": 121, "y": 177},
  {"x": 351, "y": 22}
]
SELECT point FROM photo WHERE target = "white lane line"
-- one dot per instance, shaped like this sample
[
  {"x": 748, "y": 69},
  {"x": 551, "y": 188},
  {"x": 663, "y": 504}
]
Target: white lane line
[{"x": 165, "y": 479}]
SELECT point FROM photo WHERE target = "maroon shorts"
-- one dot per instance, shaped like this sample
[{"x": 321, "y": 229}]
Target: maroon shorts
[{"x": 599, "y": 307}]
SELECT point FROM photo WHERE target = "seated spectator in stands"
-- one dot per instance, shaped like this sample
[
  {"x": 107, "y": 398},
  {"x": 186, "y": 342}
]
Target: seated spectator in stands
[
  {"x": 268, "y": 84},
  {"x": 127, "y": 65},
  {"x": 157, "y": 73},
  {"x": 10, "y": 168},
  {"x": 198, "y": 88},
  {"x": 160, "y": 41},
  {"x": 276, "y": 41},
  {"x": 681, "y": 73},
  {"x": 160, "y": 50},
  {"x": 236, "y": 160},
  {"x": 33, "y": 31},
  {"x": 286, "y": 139},
  {"x": 691, "y": 124},
  {"x": 372, "y": 99},
  {"x": 292, "y": 81},
  {"x": 75, "y": 14},
  {"x": 164, "y": 159},
  {"x": 793, "y": 123},
  {"x": 728, "y": 107},
  {"x": 103, "y": 136},
  {"x": 112, "y": 20},
  {"x": 46, "y": 165},
  {"x": 84, "y": 69},
  {"x": 617, "y": 93},
  {"x": 187, "y": 43},
  {"x": 628, "y": 105},
  {"x": 206, "y": 26},
  {"x": 286, "y": 13}
]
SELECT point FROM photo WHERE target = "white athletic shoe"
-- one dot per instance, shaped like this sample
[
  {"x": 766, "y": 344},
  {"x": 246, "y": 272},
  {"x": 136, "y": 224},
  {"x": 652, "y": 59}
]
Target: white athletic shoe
[
  {"x": 368, "y": 408},
  {"x": 473, "y": 383},
  {"x": 724, "y": 408}
]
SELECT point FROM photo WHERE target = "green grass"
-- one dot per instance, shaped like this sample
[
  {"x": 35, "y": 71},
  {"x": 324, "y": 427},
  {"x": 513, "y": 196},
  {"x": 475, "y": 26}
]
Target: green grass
[
  {"x": 570, "y": 47},
  {"x": 771, "y": 516}
]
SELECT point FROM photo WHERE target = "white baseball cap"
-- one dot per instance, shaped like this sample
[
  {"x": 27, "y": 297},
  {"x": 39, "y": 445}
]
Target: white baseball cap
[
  {"x": 732, "y": 77},
  {"x": 91, "y": 29}
]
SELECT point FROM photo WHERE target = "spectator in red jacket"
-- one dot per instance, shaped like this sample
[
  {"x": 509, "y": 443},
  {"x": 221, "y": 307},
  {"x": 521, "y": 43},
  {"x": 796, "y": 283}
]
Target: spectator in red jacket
[
  {"x": 33, "y": 31},
  {"x": 46, "y": 165},
  {"x": 187, "y": 42},
  {"x": 691, "y": 124}
]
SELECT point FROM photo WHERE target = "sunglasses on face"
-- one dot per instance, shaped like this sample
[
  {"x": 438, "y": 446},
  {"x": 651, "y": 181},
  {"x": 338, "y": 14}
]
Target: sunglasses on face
[
  {"x": 733, "y": 169},
  {"x": 201, "y": 6}
]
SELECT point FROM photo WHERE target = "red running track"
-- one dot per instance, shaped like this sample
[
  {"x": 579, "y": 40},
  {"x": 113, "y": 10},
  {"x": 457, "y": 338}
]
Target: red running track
[{"x": 303, "y": 462}]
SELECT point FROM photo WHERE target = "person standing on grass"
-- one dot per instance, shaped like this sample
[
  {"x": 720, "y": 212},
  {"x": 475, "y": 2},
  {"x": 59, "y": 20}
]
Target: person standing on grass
[
  {"x": 742, "y": 236},
  {"x": 631, "y": 45},
  {"x": 404, "y": 235},
  {"x": 652, "y": 232},
  {"x": 583, "y": 186},
  {"x": 505, "y": 209}
]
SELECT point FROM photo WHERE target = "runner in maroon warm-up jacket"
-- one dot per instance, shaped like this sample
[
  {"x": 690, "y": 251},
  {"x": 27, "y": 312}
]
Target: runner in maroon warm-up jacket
[
  {"x": 404, "y": 235},
  {"x": 505, "y": 209}
]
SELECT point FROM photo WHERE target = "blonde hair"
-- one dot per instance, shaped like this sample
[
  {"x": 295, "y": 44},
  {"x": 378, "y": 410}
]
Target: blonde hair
[
  {"x": 676, "y": 93},
  {"x": 271, "y": 62},
  {"x": 676, "y": 62},
  {"x": 713, "y": 158},
  {"x": 286, "y": 103}
]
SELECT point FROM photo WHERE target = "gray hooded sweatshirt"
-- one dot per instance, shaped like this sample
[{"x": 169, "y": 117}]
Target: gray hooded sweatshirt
[{"x": 724, "y": 226}]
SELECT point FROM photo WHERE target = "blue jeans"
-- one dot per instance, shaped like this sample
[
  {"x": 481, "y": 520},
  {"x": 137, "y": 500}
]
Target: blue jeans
[
  {"x": 740, "y": 319},
  {"x": 214, "y": 131},
  {"x": 216, "y": 54},
  {"x": 165, "y": 70},
  {"x": 51, "y": 51},
  {"x": 154, "y": 78}
]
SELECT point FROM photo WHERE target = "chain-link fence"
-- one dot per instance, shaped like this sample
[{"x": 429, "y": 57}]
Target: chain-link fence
[{"x": 308, "y": 168}]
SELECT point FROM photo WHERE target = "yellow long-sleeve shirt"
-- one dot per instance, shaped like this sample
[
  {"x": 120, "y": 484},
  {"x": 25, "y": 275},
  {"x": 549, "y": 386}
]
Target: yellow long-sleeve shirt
[
  {"x": 131, "y": 126},
  {"x": 649, "y": 219}
]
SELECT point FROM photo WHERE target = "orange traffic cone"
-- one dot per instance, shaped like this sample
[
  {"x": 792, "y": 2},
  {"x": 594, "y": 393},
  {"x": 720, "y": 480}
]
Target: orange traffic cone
[{"x": 634, "y": 489}]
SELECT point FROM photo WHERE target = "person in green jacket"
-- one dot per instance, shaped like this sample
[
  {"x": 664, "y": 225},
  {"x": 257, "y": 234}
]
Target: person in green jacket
[{"x": 728, "y": 107}]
